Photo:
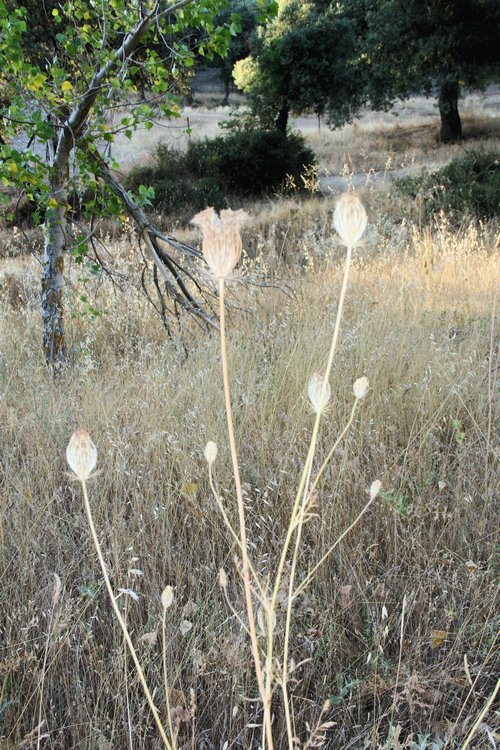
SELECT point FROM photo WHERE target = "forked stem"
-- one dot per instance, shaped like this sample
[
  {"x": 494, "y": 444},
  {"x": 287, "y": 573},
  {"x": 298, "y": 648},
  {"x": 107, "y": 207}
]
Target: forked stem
[
  {"x": 264, "y": 694},
  {"x": 120, "y": 619},
  {"x": 300, "y": 500}
]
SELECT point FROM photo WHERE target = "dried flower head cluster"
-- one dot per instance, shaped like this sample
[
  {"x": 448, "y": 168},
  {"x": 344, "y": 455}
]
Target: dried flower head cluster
[
  {"x": 221, "y": 243},
  {"x": 210, "y": 452},
  {"x": 360, "y": 387},
  {"x": 349, "y": 219},
  {"x": 81, "y": 454},
  {"x": 167, "y": 597},
  {"x": 315, "y": 392}
]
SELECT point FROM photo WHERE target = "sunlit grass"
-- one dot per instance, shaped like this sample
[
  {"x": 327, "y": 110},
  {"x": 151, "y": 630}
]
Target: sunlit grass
[{"x": 384, "y": 627}]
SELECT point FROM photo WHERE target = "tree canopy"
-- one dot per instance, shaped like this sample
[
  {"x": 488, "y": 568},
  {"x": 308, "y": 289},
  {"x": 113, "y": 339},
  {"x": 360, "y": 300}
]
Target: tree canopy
[
  {"x": 435, "y": 46},
  {"x": 304, "y": 62},
  {"x": 334, "y": 57}
]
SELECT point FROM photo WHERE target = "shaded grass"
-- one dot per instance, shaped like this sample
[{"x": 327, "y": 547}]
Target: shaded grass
[{"x": 418, "y": 324}]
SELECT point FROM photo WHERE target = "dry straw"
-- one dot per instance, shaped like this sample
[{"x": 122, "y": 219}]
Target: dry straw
[
  {"x": 222, "y": 249},
  {"x": 81, "y": 455}
]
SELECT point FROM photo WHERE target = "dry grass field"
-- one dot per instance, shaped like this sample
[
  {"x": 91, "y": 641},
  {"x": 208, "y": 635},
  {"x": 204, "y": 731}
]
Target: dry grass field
[{"x": 399, "y": 628}]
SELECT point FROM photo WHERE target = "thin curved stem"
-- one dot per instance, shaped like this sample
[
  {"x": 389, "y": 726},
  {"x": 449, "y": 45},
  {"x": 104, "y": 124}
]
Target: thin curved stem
[
  {"x": 165, "y": 676},
  {"x": 307, "y": 580},
  {"x": 481, "y": 716},
  {"x": 120, "y": 619},
  {"x": 334, "y": 448},
  {"x": 232, "y": 531}
]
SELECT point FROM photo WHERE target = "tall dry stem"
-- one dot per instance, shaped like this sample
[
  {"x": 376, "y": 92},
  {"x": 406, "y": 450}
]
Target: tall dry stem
[
  {"x": 265, "y": 695},
  {"x": 81, "y": 455}
]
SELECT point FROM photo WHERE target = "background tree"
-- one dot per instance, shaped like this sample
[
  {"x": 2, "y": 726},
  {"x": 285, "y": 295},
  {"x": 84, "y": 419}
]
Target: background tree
[
  {"x": 306, "y": 61},
  {"x": 243, "y": 16},
  {"x": 436, "y": 45},
  {"x": 61, "y": 102}
]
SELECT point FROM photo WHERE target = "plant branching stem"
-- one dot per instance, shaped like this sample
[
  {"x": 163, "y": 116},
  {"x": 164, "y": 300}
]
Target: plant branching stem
[
  {"x": 334, "y": 448},
  {"x": 265, "y": 696},
  {"x": 307, "y": 580},
  {"x": 120, "y": 619},
  {"x": 300, "y": 501}
]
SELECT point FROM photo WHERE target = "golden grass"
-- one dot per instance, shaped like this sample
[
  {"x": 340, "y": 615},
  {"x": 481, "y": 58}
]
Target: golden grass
[{"x": 423, "y": 562}]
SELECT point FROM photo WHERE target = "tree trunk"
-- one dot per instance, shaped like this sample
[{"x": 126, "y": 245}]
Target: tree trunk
[
  {"x": 281, "y": 121},
  {"x": 226, "y": 79},
  {"x": 451, "y": 125},
  {"x": 54, "y": 344}
]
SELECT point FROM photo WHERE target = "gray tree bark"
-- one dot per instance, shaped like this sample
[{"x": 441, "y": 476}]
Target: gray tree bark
[{"x": 55, "y": 231}]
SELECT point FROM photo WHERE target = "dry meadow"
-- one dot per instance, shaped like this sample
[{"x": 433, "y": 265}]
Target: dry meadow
[{"x": 399, "y": 628}]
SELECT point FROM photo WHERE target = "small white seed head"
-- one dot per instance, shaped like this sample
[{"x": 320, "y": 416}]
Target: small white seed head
[
  {"x": 81, "y": 454},
  {"x": 167, "y": 597},
  {"x": 222, "y": 578},
  {"x": 375, "y": 488},
  {"x": 315, "y": 391},
  {"x": 349, "y": 219},
  {"x": 360, "y": 387},
  {"x": 221, "y": 244},
  {"x": 56, "y": 594},
  {"x": 210, "y": 452}
]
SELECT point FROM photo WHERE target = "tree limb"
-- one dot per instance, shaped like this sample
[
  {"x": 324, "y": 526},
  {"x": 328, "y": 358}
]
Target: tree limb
[{"x": 171, "y": 270}]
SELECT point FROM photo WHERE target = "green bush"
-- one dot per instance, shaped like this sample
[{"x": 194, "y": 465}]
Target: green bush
[
  {"x": 470, "y": 184},
  {"x": 175, "y": 187},
  {"x": 243, "y": 162},
  {"x": 251, "y": 162}
]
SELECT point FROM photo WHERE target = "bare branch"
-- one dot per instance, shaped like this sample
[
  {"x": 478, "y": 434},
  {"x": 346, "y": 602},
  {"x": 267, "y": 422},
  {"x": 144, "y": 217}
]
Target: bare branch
[{"x": 171, "y": 270}]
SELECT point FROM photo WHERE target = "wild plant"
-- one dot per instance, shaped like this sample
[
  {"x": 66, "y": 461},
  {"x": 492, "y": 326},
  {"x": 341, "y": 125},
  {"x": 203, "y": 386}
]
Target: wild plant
[
  {"x": 222, "y": 247},
  {"x": 81, "y": 455}
]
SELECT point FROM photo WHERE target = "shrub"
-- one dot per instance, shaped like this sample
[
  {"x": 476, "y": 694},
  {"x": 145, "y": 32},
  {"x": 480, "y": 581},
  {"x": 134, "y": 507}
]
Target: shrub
[
  {"x": 469, "y": 184},
  {"x": 174, "y": 185},
  {"x": 251, "y": 162},
  {"x": 245, "y": 162}
]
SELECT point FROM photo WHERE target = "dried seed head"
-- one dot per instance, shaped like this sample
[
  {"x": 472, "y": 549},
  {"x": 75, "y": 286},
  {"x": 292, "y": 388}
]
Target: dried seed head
[
  {"x": 167, "y": 597},
  {"x": 210, "y": 452},
  {"x": 81, "y": 454},
  {"x": 360, "y": 387},
  {"x": 222, "y": 578},
  {"x": 315, "y": 391},
  {"x": 349, "y": 219},
  {"x": 375, "y": 488},
  {"x": 221, "y": 243}
]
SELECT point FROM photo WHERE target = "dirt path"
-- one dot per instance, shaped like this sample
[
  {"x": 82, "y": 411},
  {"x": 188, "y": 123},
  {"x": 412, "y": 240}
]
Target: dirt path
[{"x": 338, "y": 183}]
